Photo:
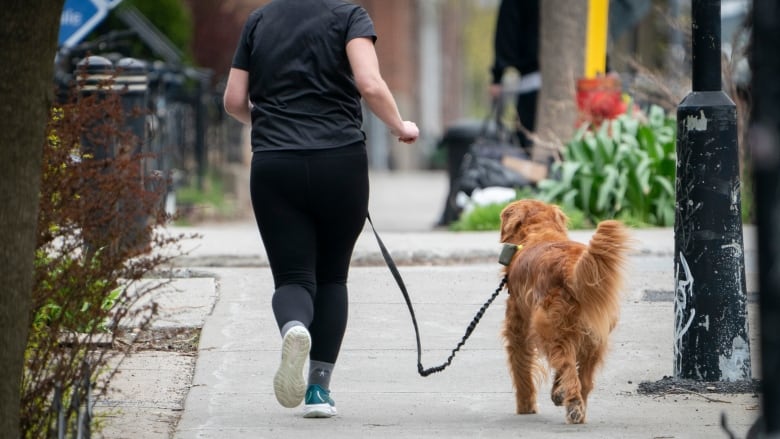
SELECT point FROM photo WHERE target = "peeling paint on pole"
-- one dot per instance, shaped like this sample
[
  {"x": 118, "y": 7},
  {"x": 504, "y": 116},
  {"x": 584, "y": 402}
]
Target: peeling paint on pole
[
  {"x": 696, "y": 122},
  {"x": 735, "y": 361}
]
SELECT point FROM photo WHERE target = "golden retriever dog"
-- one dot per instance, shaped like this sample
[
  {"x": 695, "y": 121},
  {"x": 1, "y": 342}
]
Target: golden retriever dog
[{"x": 564, "y": 301}]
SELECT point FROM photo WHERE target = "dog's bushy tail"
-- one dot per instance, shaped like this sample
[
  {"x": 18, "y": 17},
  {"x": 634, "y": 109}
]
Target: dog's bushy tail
[{"x": 598, "y": 276}]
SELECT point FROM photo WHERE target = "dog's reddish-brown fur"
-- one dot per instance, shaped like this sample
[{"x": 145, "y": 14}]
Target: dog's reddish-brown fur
[{"x": 564, "y": 301}]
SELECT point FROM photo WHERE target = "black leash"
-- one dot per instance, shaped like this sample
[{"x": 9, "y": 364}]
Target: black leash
[{"x": 397, "y": 275}]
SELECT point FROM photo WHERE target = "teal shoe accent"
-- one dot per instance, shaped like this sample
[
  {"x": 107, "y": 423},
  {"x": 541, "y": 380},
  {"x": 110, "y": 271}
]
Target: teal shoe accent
[{"x": 318, "y": 403}]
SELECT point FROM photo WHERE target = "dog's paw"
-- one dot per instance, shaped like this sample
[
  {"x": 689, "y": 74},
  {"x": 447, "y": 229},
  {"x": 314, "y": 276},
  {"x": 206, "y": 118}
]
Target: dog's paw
[
  {"x": 575, "y": 412},
  {"x": 526, "y": 409},
  {"x": 557, "y": 397}
]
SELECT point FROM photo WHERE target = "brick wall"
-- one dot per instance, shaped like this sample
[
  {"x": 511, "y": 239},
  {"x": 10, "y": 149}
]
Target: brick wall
[{"x": 394, "y": 21}]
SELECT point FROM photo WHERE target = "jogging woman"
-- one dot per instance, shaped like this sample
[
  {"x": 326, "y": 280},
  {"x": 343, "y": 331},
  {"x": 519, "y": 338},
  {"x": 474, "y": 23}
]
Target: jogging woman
[{"x": 298, "y": 75}]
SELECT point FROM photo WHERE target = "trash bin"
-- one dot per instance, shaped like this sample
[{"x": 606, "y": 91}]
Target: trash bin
[
  {"x": 110, "y": 230},
  {"x": 133, "y": 84},
  {"x": 457, "y": 140},
  {"x": 131, "y": 81},
  {"x": 93, "y": 75}
]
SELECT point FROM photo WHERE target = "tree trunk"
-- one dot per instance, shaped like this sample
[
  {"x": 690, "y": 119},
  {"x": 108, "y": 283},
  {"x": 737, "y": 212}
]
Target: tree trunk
[
  {"x": 562, "y": 61},
  {"x": 28, "y": 42}
]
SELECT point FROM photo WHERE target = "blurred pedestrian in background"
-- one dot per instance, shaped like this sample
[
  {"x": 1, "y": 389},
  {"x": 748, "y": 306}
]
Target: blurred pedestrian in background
[{"x": 517, "y": 46}]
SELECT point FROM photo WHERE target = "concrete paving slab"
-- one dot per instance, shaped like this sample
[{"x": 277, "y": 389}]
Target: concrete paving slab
[
  {"x": 180, "y": 302},
  {"x": 146, "y": 397}
]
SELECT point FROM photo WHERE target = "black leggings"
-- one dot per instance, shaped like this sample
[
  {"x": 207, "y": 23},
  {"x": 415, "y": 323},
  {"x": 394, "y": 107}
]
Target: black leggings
[{"x": 310, "y": 207}]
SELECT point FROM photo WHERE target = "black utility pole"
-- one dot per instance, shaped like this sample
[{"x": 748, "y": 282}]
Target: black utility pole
[
  {"x": 765, "y": 151},
  {"x": 711, "y": 334}
]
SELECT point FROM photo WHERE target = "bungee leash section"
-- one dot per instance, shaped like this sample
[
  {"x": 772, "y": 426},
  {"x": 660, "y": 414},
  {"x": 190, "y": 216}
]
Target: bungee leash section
[{"x": 397, "y": 275}]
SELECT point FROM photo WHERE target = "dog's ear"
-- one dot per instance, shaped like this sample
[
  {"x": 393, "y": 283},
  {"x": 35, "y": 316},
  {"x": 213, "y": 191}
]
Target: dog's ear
[
  {"x": 560, "y": 218},
  {"x": 511, "y": 219}
]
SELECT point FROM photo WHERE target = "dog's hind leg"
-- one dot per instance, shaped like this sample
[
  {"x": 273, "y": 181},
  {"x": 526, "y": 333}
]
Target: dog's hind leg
[
  {"x": 589, "y": 360},
  {"x": 562, "y": 357},
  {"x": 522, "y": 357}
]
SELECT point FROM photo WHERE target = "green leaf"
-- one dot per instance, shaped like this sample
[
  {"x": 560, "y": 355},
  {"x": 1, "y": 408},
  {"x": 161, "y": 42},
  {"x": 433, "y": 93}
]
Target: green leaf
[
  {"x": 656, "y": 116},
  {"x": 606, "y": 150},
  {"x": 616, "y": 127},
  {"x": 568, "y": 199},
  {"x": 607, "y": 188},
  {"x": 665, "y": 184},
  {"x": 643, "y": 174},
  {"x": 630, "y": 125},
  {"x": 568, "y": 171},
  {"x": 620, "y": 190},
  {"x": 586, "y": 186},
  {"x": 550, "y": 190},
  {"x": 629, "y": 141},
  {"x": 578, "y": 150}
]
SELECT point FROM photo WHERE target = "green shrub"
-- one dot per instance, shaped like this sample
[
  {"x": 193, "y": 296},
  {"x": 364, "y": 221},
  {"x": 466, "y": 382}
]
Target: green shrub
[
  {"x": 624, "y": 169},
  {"x": 486, "y": 217},
  {"x": 211, "y": 194},
  {"x": 67, "y": 300}
]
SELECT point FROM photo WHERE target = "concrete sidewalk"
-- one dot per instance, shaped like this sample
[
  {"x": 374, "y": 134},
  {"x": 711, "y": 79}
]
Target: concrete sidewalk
[
  {"x": 379, "y": 393},
  {"x": 375, "y": 384}
]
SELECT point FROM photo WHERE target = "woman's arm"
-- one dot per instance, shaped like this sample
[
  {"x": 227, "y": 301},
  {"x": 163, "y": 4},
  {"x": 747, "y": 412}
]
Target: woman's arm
[
  {"x": 236, "y": 98},
  {"x": 374, "y": 90}
]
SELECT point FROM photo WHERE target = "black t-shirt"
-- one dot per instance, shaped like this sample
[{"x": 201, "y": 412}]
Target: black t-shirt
[{"x": 301, "y": 85}]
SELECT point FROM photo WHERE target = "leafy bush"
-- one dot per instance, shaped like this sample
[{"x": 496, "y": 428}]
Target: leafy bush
[
  {"x": 623, "y": 169},
  {"x": 61, "y": 306},
  {"x": 486, "y": 217},
  {"x": 203, "y": 203},
  {"x": 96, "y": 231}
]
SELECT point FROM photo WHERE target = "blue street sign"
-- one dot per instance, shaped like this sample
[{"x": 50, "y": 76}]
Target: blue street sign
[{"x": 79, "y": 17}]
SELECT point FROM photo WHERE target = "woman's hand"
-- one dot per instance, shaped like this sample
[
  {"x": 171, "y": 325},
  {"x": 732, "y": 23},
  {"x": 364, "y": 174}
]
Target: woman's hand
[{"x": 408, "y": 132}]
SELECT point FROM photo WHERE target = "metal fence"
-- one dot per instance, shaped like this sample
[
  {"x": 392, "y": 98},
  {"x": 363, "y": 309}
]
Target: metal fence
[
  {"x": 187, "y": 131},
  {"x": 74, "y": 412}
]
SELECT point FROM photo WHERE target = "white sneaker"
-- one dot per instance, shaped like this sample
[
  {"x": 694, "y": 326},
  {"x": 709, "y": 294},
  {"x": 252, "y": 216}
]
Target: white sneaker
[{"x": 289, "y": 383}]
